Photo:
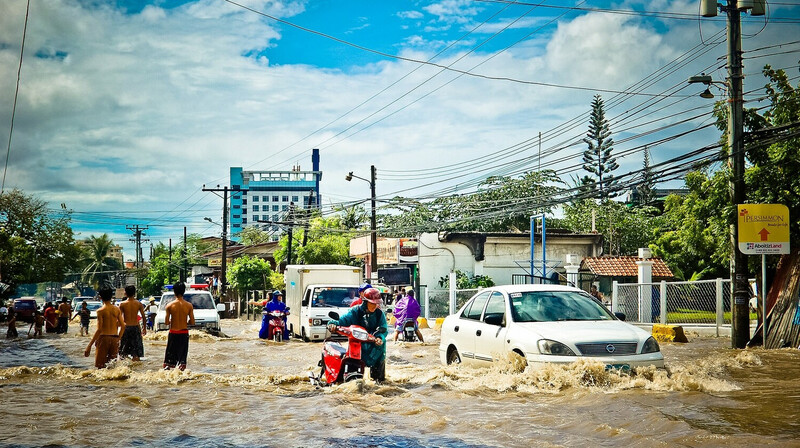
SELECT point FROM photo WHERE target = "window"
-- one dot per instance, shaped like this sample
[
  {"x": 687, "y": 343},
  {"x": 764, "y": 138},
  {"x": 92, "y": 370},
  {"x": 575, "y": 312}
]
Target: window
[
  {"x": 265, "y": 218},
  {"x": 286, "y": 199},
  {"x": 244, "y": 211},
  {"x": 244, "y": 220},
  {"x": 295, "y": 198},
  {"x": 237, "y": 216},
  {"x": 244, "y": 201},
  {"x": 255, "y": 208},
  {"x": 255, "y": 198},
  {"x": 285, "y": 207},
  {"x": 276, "y": 218},
  {"x": 495, "y": 309},
  {"x": 275, "y": 208},
  {"x": 265, "y": 198},
  {"x": 236, "y": 225},
  {"x": 474, "y": 309},
  {"x": 275, "y": 199},
  {"x": 237, "y": 206}
]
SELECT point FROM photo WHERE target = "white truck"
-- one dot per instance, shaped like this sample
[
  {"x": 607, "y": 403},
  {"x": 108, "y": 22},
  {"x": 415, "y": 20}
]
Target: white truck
[{"x": 312, "y": 291}]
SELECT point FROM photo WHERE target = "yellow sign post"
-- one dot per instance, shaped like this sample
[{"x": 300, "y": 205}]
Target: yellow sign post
[{"x": 763, "y": 229}]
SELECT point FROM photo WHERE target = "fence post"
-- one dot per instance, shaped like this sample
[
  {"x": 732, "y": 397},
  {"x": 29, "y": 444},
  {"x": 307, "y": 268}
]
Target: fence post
[
  {"x": 663, "y": 301},
  {"x": 614, "y": 296},
  {"x": 427, "y": 305},
  {"x": 452, "y": 292},
  {"x": 720, "y": 309}
]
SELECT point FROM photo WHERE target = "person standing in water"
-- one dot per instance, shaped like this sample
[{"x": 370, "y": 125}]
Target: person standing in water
[
  {"x": 106, "y": 337},
  {"x": 180, "y": 314},
  {"x": 130, "y": 342}
]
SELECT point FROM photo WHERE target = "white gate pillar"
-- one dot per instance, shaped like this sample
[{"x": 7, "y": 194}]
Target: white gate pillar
[{"x": 645, "y": 274}]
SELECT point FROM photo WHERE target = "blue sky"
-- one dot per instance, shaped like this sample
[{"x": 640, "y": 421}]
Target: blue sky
[{"x": 127, "y": 108}]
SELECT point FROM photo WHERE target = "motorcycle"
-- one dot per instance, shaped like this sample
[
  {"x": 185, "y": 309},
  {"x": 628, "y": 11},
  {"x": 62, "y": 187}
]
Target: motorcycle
[
  {"x": 408, "y": 330},
  {"x": 341, "y": 364},
  {"x": 273, "y": 325}
]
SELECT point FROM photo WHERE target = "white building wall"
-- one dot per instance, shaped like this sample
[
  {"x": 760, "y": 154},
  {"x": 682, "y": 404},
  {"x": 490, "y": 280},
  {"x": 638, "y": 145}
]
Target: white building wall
[{"x": 503, "y": 256}]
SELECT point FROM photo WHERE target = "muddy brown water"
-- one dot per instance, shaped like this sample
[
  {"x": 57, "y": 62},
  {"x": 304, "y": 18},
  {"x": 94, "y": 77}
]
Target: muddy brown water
[{"x": 241, "y": 391}]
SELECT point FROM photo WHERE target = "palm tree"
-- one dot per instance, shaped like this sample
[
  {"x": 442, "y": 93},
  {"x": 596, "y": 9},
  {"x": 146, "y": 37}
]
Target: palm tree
[{"x": 97, "y": 259}]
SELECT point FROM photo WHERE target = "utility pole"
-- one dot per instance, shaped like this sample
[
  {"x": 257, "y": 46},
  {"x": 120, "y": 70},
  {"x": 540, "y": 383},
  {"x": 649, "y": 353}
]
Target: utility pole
[
  {"x": 374, "y": 227},
  {"x": 740, "y": 331},
  {"x": 138, "y": 232},
  {"x": 169, "y": 264},
  {"x": 185, "y": 258},
  {"x": 223, "y": 278},
  {"x": 291, "y": 225}
]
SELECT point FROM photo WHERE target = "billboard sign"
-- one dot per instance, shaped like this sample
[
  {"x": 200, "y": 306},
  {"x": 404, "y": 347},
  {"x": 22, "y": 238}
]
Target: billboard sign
[{"x": 763, "y": 229}]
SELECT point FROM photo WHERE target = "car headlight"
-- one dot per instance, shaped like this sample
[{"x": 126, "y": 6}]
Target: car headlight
[
  {"x": 650, "y": 346},
  {"x": 316, "y": 322},
  {"x": 548, "y": 347}
]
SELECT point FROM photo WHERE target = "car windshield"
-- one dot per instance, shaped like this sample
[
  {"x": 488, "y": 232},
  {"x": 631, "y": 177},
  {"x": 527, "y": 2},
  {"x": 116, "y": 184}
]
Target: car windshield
[
  {"x": 549, "y": 306},
  {"x": 94, "y": 306},
  {"x": 25, "y": 305},
  {"x": 339, "y": 297},
  {"x": 199, "y": 300}
]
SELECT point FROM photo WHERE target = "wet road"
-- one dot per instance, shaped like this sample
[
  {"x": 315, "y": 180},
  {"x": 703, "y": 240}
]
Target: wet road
[{"x": 242, "y": 391}]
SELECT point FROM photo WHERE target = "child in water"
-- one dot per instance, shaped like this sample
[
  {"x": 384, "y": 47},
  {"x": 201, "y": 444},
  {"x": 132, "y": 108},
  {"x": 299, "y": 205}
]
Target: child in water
[
  {"x": 12, "y": 325},
  {"x": 38, "y": 321}
]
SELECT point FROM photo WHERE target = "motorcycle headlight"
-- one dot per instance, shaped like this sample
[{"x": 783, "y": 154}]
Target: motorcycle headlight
[
  {"x": 650, "y": 346},
  {"x": 360, "y": 334},
  {"x": 548, "y": 347}
]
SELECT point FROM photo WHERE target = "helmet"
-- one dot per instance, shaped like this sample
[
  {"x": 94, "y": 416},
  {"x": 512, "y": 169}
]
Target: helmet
[
  {"x": 372, "y": 295},
  {"x": 364, "y": 287},
  {"x": 277, "y": 293}
]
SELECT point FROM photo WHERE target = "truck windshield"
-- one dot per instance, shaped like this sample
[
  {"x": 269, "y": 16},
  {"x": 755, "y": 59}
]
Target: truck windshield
[
  {"x": 199, "y": 300},
  {"x": 338, "y": 297}
]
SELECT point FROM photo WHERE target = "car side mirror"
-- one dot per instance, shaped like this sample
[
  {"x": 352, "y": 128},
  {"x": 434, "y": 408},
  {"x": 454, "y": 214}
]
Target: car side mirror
[
  {"x": 333, "y": 315},
  {"x": 620, "y": 316},
  {"x": 494, "y": 319},
  {"x": 220, "y": 307}
]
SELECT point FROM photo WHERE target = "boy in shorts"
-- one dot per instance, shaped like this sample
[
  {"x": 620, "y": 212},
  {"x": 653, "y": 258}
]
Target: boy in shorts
[
  {"x": 180, "y": 314},
  {"x": 109, "y": 325}
]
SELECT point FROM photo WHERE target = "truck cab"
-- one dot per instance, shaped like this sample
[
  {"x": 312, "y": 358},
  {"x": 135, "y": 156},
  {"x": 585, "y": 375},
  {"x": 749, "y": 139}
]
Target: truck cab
[{"x": 312, "y": 291}]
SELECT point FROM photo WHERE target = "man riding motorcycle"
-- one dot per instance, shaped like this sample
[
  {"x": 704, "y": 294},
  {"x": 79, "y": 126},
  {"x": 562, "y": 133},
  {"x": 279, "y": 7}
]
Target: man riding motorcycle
[
  {"x": 276, "y": 304},
  {"x": 370, "y": 316}
]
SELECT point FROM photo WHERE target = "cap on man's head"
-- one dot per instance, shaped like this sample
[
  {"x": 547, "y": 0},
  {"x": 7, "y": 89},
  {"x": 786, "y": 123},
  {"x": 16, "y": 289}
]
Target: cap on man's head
[
  {"x": 364, "y": 287},
  {"x": 277, "y": 293}
]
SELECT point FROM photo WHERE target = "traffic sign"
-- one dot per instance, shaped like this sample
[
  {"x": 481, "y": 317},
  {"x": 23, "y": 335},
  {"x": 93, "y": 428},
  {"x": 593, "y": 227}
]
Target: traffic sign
[{"x": 763, "y": 229}]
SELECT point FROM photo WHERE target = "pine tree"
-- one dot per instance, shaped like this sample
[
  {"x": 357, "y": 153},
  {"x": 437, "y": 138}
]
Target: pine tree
[
  {"x": 645, "y": 189},
  {"x": 597, "y": 159}
]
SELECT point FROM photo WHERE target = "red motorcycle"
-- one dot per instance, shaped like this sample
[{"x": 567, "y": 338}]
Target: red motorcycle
[
  {"x": 277, "y": 325},
  {"x": 341, "y": 364}
]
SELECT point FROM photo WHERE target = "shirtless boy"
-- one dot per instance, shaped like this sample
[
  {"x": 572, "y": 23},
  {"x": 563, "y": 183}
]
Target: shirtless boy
[
  {"x": 109, "y": 325},
  {"x": 130, "y": 340},
  {"x": 180, "y": 314}
]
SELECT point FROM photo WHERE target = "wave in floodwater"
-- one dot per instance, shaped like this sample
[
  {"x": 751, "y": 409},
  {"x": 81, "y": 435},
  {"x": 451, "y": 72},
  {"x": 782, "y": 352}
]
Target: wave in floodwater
[{"x": 506, "y": 376}]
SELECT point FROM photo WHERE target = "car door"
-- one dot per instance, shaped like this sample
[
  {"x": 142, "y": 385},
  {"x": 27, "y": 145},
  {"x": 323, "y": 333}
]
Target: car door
[
  {"x": 490, "y": 331},
  {"x": 467, "y": 324}
]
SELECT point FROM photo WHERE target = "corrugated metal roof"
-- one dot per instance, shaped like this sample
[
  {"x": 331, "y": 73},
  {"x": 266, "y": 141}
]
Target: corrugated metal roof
[{"x": 623, "y": 266}]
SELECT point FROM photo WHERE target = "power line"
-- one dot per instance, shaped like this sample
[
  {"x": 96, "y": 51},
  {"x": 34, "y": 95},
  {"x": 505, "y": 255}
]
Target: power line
[{"x": 16, "y": 95}]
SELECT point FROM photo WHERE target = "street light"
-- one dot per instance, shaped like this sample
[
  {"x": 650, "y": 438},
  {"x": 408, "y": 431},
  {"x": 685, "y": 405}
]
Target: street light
[
  {"x": 212, "y": 222},
  {"x": 373, "y": 226}
]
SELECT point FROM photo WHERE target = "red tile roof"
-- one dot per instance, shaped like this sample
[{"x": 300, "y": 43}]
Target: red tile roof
[{"x": 624, "y": 266}]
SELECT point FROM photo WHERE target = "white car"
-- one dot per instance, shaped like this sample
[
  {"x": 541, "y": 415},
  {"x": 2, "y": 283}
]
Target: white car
[
  {"x": 206, "y": 315},
  {"x": 93, "y": 306},
  {"x": 544, "y": 324}
]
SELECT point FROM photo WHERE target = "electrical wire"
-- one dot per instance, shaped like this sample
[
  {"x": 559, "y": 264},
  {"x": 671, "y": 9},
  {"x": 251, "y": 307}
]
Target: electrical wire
[{"x": 16, "y": 95}]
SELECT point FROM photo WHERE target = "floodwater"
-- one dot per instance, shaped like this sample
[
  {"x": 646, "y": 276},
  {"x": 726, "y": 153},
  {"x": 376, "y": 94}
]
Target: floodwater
[{"x": 241, "y": 391}]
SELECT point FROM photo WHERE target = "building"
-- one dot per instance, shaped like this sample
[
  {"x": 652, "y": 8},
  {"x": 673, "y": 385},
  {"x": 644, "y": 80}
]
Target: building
[
  {"x": 265, "y": 198},
  {"x": 500, "y": 256},
  {"x": 114, "y": 252}
]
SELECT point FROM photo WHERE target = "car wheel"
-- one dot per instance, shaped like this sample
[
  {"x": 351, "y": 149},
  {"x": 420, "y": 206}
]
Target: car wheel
[{"x": 453, "y": 357}]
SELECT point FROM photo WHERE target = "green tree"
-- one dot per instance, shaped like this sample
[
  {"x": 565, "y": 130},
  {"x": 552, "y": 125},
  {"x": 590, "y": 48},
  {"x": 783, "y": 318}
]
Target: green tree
[
  {"x": 693, "y": 238},
  {"x": 597, "y": 159},
  {"x": 98, "y": 261},
  {"x": 160, "y": 273},
  {"x": 648, "y": 184},
  {"x": 36, "y": 245},
  {"x": 251, "y": 235},
  {"x": 327, "y": 242},
  {"x": 624, "y": 229},
  {"x": 248, "y": 273}
]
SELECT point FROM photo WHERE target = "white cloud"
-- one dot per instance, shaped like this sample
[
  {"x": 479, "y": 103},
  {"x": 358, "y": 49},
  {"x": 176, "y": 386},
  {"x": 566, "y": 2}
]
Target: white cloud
[{"x": 412, "y": 15}]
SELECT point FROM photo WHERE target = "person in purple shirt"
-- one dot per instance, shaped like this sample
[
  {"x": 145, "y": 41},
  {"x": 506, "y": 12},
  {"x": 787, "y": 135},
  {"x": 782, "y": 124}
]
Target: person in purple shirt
[
  {"x": 276, "y": 304},
  {"x": 406, "y": 308}
]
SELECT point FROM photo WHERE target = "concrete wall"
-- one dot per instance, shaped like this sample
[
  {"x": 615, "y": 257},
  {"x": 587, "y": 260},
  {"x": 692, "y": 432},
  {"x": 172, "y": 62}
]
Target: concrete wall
[{"x": 502, "y": 255}]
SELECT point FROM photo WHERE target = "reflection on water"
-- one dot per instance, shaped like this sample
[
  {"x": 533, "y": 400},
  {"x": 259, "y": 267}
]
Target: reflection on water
[{"x": 241, "y": 391}]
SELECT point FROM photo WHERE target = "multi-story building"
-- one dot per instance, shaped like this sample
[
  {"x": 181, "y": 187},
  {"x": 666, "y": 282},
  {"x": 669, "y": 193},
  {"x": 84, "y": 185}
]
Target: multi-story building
[
  {"x": 265, "y": 198},
  {"x": 115, "y": 251}
]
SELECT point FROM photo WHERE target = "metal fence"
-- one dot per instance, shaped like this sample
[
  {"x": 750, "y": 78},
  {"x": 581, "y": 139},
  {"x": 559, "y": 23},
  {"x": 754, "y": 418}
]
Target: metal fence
[
  {"x": 441, "y": 303},
  {"x": 699, "y": 302}
]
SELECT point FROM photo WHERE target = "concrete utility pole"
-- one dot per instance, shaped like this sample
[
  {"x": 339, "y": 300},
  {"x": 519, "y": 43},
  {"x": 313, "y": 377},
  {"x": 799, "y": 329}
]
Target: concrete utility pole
[
  {"x": 291, "y": 226},
  {"x": 740, "y": 331},
  {"x": 138, "y": 232},
  {"x": 374, "y": 226},
  {"x": 185, "y": 258},
  {"x": 223, "y": 278}
]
